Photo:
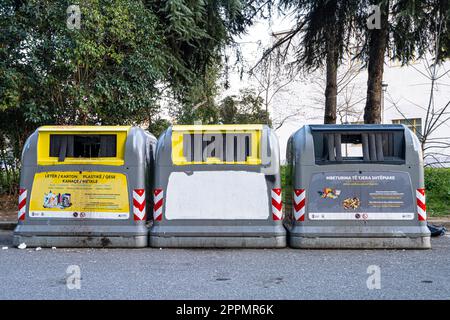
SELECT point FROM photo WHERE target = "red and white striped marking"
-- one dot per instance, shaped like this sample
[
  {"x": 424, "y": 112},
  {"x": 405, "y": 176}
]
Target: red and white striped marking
[
  {"x": 158, "y": 199},
  {"x": 299, "y": 204},
  {"x": 277, "y": 212},
  {"x": 22, "y": 203},
  {"x": 139, "y": 204},
  {"x": 421, "y": 206}
]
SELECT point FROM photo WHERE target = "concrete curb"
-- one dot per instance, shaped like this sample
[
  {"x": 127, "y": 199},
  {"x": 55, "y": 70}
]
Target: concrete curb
[
  {"x": 10, "y": 225},
  {"x": 7, "y": 225}
]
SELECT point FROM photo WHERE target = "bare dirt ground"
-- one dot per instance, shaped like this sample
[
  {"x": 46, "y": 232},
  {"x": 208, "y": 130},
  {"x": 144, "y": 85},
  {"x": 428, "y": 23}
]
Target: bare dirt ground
[
  {"x": 8, "y": 215},
  {"x": 8, "y": 208}
]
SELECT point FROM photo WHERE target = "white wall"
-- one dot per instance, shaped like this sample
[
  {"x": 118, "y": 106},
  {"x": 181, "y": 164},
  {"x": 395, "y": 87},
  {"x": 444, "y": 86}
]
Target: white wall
[{"x": 407, "y": 88}]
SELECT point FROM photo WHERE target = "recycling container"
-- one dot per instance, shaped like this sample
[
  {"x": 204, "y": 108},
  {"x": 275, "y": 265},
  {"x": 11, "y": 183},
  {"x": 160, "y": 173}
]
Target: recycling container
[
  {"x": 355, "y": 186},
  {"x": 85, "y": 186},
  {"x": 217, "y": 186}
]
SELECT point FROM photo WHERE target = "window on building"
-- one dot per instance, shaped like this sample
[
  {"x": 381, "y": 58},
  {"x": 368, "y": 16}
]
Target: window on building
[{"x": 415, "y": 124}]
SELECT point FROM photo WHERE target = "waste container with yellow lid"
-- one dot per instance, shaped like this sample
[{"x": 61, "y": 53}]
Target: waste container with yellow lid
[
  {"x": 217, "y": 186},
  {"x": 85, "y": 186}
]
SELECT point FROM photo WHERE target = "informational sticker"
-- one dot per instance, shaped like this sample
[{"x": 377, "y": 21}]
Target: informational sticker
[
  {"x": 85, "y": 195},
  {"x": 361, "y": 196}
]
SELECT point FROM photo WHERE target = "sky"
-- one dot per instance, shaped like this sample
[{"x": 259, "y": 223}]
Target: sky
[{"x": 259, "y": 36}]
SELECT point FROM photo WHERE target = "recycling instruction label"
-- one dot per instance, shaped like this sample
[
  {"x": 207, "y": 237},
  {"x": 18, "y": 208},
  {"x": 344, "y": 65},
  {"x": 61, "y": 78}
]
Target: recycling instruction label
[
  {"x": 89, "y": 195},
  {"x": 361, "y": 196}
]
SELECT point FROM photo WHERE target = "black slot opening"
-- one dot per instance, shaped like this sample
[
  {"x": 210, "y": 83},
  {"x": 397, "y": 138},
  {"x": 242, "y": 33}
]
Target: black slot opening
[
  {"x": 360, "y": 146},
  {"x": 82, "y": 146},
  {"x": 235, "y": 147}
]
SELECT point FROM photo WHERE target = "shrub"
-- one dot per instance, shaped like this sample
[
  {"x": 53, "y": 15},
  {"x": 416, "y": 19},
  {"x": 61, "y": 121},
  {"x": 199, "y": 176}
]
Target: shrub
[{"x": 437, "y": 185}]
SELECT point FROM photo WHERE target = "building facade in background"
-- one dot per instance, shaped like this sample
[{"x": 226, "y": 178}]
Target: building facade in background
[{"x": 407, "y": 99}]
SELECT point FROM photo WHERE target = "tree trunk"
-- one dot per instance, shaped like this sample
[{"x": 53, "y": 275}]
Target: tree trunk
[
  {"x": 331, "y": 86},
  {"x": 377, "y": 51}
]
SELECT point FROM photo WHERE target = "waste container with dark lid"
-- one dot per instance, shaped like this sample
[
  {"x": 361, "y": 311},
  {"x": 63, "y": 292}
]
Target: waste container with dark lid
[
  {"x": 217, "y": 186},
  {"x": 85, "y": 186},
  {"x": 355, "y": 186}
]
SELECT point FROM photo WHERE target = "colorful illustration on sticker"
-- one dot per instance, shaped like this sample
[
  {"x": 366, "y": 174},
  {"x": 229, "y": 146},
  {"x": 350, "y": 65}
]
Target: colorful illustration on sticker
[
  {"x": 57, "y": 200},
  {"x": 329, "y": 193},
  {"x": 351, "y": 203}
]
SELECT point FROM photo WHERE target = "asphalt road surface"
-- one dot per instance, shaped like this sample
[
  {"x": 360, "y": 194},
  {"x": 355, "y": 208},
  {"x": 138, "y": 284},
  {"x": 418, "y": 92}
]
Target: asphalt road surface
[{"x": 224, "y": 274}]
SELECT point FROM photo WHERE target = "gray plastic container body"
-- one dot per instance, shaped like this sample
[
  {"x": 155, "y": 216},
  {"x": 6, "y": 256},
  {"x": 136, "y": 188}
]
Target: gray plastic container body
[
  {"x": 79, "y": 232},
  {"x": 176, "y": 229},
  {"x": 318, "y": 231}
]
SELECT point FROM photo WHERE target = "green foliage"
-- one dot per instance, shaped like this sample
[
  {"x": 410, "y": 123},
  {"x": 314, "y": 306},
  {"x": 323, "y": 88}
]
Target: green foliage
[
  {"x": 158, "y": 126},
  {"x": 413, "y": 29},
  {"x": 287, "y": 188},
  {"x": 321, "y": 24},
  {"x": 198, "y": 102},
  {"x": 104, "y": 73},
  {"x": 111, "y": 70},
  {"x": 437, "y": 186},
  {"x": 116, "y": 67},
  {"x": 329, "y": 30},
  {"x": 196, "y": 31},
  {"x": 245, "y": 108}
]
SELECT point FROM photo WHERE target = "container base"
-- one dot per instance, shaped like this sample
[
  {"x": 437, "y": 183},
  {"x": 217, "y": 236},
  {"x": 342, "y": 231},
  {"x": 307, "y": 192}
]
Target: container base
[
  {"x": 217, "y": 242},
  {"x": 360, "y": 243},
  {"x": 82, "y": 241}
]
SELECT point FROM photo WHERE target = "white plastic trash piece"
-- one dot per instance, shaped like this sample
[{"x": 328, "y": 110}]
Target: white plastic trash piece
[
  {"x": 22, "y": 246},
  {"x": 4, "y": 248},
  {"x": 38, "y": 248},
  {"x": 53, "y": 248}
]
